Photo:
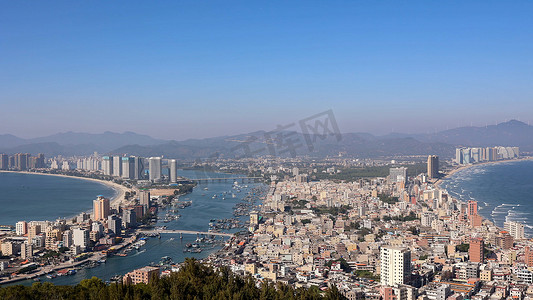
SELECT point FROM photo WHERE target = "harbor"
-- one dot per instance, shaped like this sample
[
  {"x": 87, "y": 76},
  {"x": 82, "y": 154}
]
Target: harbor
[{"x": 193, "y": 236}]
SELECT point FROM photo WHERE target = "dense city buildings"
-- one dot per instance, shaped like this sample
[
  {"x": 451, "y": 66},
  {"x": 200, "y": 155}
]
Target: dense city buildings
[
  {"x": 131, "y": 168},
  {"x": 465, "y": 156},
  {"x": 22, "y": 162},
  {"x": 389, "y": 237}
]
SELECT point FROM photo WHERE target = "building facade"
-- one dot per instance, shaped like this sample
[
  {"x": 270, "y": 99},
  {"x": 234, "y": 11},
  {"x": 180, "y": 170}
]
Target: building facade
[{"x": 395, "y": 265}]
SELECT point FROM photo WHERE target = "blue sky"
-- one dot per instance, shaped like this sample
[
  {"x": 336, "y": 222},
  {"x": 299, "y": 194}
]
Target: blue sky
[{"x": 182, "y": 69}]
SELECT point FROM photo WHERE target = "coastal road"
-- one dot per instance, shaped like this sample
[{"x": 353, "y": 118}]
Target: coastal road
[{"x": 148, "y": 232}]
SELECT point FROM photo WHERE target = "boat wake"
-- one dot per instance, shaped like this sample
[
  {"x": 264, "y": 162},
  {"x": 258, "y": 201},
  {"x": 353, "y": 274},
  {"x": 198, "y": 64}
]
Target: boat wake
[{"x": 138, "y": 253}]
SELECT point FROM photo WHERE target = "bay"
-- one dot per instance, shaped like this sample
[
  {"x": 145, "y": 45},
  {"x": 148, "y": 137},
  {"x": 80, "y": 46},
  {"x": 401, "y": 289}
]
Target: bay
[
  {"x": 504, "y": 191},
  {"x": 195, "y": 217},
  {"x": 34, "y": 197}
]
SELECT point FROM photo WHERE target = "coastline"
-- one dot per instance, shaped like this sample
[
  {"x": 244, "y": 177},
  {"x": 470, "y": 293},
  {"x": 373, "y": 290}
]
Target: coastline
[
  {"x": 464, "y": 167},
  {"x": 117, "y": 199},
  {"x": 119, "y": 260},
  {"x": 460, "y": 168}
]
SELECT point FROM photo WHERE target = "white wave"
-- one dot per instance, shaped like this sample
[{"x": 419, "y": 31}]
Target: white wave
[{"x": 512, "y": 212}]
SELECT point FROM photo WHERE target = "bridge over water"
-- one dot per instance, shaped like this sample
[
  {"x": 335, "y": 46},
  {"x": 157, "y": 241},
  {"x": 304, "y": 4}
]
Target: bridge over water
[
  {"x": 163, "y": 231},
  {"x": 243, "y": 179}
]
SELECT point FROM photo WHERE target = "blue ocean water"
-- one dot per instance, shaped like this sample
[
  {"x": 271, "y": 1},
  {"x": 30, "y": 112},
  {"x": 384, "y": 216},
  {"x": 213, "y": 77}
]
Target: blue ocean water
[
  {"x": 33, "y": 197},
  {"x": 195, "y": 217},
  {"x": 504, "y": 191}
]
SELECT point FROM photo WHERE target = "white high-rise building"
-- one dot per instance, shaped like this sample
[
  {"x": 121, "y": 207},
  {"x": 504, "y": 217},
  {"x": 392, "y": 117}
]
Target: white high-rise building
[
  {"x": 426, "y": 219},
  {"x": 398, "y": 174},
  {"x": 173, "y": 166},
  {"x": 98, "y": 227},
  {"x": 67, "y": 239},
  {"x": 144, "y": 199},
  {"x": 79, "y": 164},
  {"x": 295, "y": 171},
  {"x": 21, "y": 228},
  {"x": 117, "y": 166},
  {"x": 515, "y": 229},
  {"x": 107, "y": 165},
  {"x": 128, "y": 167},
  {"x": 80, "y": 237},
  {"x": 26, "y": 250},
  {"x": 154, "y": 167},
  {"x": 395, "y": 265}
]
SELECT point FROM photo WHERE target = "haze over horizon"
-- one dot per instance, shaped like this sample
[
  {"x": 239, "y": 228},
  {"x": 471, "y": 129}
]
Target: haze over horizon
[
  {"x": 205, "y": 69},
  {"x": 294, "y": 128}
]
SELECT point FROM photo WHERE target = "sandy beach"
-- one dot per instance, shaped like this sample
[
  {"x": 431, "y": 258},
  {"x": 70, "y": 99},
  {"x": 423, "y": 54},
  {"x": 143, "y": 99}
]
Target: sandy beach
[
  {"x": 464, "y": 167},
  {"x": 115, "y": 201},
  {"x": 460, "y": 168}
]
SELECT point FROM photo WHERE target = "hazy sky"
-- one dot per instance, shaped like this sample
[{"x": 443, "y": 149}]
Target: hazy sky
[{"x": 181, "y": 69}]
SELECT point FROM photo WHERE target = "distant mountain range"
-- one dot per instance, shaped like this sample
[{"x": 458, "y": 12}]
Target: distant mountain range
[
  {"x": 363, "y": 145},
  {"x": 74, "y": 143}
]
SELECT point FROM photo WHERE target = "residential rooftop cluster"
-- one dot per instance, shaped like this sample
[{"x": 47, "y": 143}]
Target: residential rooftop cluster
[
  {"x": 394, "y": 237},
  {"x": 398, "y": 236}
]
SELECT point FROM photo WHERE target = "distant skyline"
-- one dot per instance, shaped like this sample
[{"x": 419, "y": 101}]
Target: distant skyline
[{"x": 203, "y": 69}]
